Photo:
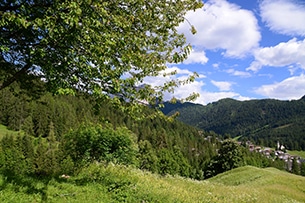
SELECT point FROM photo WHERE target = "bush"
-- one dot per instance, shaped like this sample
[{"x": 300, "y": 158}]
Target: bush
[
  {"x": 97, "y": 143},
  {"x": 229, "y": 156}
]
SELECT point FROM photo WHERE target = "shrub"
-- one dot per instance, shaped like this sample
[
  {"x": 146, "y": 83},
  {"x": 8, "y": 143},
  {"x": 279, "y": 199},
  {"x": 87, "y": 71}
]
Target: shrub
[{"x": 97, "y": 143}]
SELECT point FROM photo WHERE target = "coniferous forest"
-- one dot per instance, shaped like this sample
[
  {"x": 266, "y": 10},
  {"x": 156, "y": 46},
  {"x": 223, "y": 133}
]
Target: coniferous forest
[{"x": 60, "y": 134}]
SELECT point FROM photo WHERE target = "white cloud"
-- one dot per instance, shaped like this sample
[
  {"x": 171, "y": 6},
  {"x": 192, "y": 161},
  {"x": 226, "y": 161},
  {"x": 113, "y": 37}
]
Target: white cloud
[
  {"x": 283, "y": 54},
  {"x": 215, "y": 65},
  {"x": 288, "y": 89},
  {"x": 222, "y": 25},
  {"x": 180, "y": 92},
  {"x": 255, "y": 66},
  {"x": 197, "y": 86},
  {"x": 185, "y": 90},
  {"x": 292, "y": 69},
  {"x": 196, "y": 57},
  {"x": 284, "y": 16},
  {"x": 208, "y": 97},
  {"x": 242, "y": 98},
  {"x": 205, "y": 96},
  {"x": 238, "y": 73},
  {"x": 222, "y": 85}
]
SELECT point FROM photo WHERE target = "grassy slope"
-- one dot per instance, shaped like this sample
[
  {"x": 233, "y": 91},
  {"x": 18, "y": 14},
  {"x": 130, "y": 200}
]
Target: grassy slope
[
  {"x": 266, "y": 185},
  {"x": 121, "y": 184},
  {"x": 297, "y": 153}
]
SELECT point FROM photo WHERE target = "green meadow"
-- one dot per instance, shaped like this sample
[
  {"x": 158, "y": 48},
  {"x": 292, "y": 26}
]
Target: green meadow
[
  {"x": 113, "y": 183},
  {"x": 297, "y": 153}
]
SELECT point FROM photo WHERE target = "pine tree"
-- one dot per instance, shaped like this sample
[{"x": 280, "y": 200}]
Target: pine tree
[
  {"x": 28, "y": 151},
  {"x": 28, "y": 126},
  {"x": 51, "y": 154},
  {"x": 184, "y": 166},
  {"x": 147, "y": 156},
  {"x": 166, "y": 162}
]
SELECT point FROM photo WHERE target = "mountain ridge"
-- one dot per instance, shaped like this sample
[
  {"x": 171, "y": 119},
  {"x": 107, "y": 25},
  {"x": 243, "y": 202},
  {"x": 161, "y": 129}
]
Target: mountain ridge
[{"x": 264, "y": 121}]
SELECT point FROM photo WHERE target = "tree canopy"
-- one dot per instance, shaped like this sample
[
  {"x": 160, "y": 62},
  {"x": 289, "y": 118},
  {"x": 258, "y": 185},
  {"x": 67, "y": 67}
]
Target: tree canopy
[
  {"x": 229, "y": 156},
  {"x": 103, "y": 47}
]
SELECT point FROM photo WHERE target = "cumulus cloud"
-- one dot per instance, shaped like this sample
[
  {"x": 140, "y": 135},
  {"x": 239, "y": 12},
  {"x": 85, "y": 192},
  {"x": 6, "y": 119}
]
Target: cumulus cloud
[
  {"x": 222, "y": 85},
  {"x": 283, "y": 54},
  {"x": 223, "y": 25},
  {"x": 288, "y": 89},
  {"x": 283, "y": 16},
  {"x": 198, "y": 86},
  {"x": 181, "y": 74},
  {"x": 226, "y": 27},
  {"x": 196, "y": 57},
  {"x": 185, "y": 90}
]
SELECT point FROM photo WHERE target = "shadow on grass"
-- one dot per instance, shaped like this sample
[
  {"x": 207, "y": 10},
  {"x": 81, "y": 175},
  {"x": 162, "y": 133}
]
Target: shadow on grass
[{"x": 27, "y": 184}]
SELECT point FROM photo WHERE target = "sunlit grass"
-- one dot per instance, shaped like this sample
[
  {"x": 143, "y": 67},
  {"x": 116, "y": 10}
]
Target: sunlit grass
[
  {"x": 122, "y": 184},
  {"x": 271, "y": 185},
  {"x": 99, "y": 183},
  {"x": 297, "y": 153}
]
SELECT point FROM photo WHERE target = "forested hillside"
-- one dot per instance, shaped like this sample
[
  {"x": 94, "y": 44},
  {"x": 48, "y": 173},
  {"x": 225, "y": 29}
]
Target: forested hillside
[
  {"x": 264, "y": 122},
  {"x": 80, "y": 129},
  {"x": 165, "y": 147}
]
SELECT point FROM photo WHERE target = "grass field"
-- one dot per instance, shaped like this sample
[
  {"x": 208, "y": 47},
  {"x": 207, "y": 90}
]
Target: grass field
[
  {"x": 297, "y": 153},
  {"x": 98, "y": 183},
  {"x": 265, "y": 185}
]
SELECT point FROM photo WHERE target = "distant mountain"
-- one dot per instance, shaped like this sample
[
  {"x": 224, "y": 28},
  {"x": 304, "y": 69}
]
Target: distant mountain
[{"x": 264, "y": 121}]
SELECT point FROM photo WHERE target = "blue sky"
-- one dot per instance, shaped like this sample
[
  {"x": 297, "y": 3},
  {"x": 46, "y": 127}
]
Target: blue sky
[{"x": 245, "y": 49}]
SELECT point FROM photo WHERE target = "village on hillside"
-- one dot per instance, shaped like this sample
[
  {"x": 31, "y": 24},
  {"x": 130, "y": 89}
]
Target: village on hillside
[{"x": 279, "y": 153}]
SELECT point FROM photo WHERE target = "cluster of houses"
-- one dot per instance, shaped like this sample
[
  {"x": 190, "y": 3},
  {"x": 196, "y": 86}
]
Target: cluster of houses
[{"x": 279, "y": 152}]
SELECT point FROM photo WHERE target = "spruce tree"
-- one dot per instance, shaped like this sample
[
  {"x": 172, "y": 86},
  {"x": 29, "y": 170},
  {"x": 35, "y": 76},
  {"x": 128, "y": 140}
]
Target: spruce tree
[{"x": 147, "y": 156}]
